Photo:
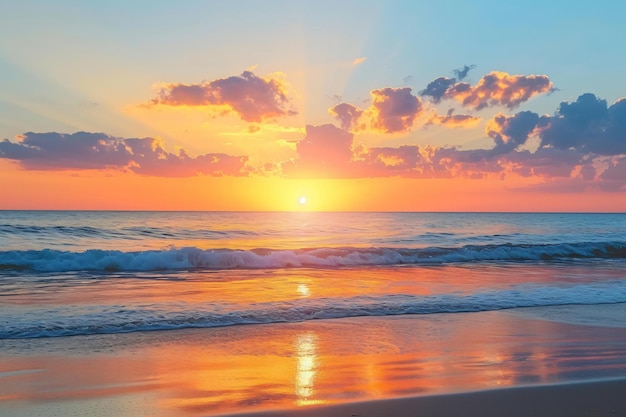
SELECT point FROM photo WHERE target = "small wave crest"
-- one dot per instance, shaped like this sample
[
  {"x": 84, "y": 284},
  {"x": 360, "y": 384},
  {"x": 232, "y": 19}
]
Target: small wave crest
[
  {"x": 325, "y": 257},
  {"x": 111, "y": 319}
]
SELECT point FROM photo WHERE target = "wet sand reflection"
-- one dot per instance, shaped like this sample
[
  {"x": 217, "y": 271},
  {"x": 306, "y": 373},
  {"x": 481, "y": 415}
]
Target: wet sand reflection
[{"x": 244, "y": 368}]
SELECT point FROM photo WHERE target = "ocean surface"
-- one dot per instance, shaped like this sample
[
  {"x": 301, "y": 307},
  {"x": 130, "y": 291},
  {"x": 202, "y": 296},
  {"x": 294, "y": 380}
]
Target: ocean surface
[{"x": 68, "y": 273}]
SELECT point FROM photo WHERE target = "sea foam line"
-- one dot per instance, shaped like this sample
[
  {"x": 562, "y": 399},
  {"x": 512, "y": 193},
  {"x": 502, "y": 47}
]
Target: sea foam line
[
  {"x": 48, "y": 321},
  {"x": 195, "y": 258}
]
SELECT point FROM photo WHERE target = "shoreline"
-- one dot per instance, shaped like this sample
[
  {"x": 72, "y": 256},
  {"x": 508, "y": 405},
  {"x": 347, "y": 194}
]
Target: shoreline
[
  {"x": 481, "y": 364},
  {"x": 597, "y": 398}
]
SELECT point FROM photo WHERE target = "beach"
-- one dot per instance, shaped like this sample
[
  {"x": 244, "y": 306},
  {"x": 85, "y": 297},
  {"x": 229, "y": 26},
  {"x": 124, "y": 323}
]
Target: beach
[
  {"x": 592, "y": 399},
  {"x": 515, "y": 363},
  {"x": 204, "y": 314}
]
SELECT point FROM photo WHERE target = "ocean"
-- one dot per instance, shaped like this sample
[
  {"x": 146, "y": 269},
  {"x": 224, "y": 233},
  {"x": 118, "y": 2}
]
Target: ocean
[
  {"x": 76, "y": 278},
  {"x": 222, "y": 269}
]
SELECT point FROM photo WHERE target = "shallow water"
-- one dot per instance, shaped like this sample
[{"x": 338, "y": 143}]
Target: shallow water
[
  {"x": 209, "y": 313},
  {"x": 73, "y": 273}
]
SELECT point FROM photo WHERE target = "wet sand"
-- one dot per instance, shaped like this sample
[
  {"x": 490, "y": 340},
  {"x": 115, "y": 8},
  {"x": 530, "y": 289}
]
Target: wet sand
[
  {"x": 463, "y": 364},
  {"x": 583, "y": 399}
]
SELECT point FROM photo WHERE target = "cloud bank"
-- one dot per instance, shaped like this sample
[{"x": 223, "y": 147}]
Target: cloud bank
[
  {"x": 581, "y": 145},
  {"x": 396, "y": 110},
  {"x": 84, "y": 150}
]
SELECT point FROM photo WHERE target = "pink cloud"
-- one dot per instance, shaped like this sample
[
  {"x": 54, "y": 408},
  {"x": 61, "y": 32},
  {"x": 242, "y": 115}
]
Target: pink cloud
[
  {"x": 454, "y": 120},
  {"x": 84, "y": 150},
  {"x": 510, "y": 132},
  {"x": 252, "y": 98},
  {"x": 393, "y": 110},
  {"x": 348, "y": 116}
]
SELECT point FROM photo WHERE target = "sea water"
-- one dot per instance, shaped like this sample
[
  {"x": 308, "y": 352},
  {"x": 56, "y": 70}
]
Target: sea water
[{"x": 69, "y": 273}]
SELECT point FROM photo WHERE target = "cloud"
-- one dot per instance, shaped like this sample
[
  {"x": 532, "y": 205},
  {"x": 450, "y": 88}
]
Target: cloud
[
  {"x": 348, "y": 116},
  {"x": 388, "y": 161},
  {"x": 500, "y": 89},
  {"x": 359, "y": 60},
  {"x": 438, "y": 88},
  {"x": 454, "y": 120},
  {"x": 328, "y": 151},
  {"x": 510, "y": 132},
  {"x": 252, "y": 98},
  {"x": 461, "y": 73},
  {"x": 551, "y": 163},
  {"x": 615, "y": 175},
  {"x": 494, "y": 89},
  {"x": 392, "y": 110},
  {"x": 588, "y": 125},
  {"x": 325, "y": 151},
  {"x": 84, "y": 150}
]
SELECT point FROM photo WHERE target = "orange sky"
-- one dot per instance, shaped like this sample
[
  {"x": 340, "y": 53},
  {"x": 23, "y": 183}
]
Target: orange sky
[{"x": 209, "y": 119}]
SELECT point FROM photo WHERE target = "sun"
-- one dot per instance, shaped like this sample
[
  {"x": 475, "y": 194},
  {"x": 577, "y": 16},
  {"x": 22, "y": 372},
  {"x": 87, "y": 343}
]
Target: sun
[{"x": 302, "y": 200}]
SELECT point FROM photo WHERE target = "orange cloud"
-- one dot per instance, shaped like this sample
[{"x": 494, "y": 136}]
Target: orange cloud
[
  {"x": 392, "y": 110},
  {"x": 499, "y": 89},
  {"x": 359, "y": 60},
  {"x": 329, "y": 152},
  {"x": 252, "y": 98}
]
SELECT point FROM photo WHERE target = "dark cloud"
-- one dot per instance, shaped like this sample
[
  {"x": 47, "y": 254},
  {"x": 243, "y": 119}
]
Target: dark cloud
[
  {"x": 394, "y": 109},
  {"x": 501, "y": 89},
  {"x": 252, "y": 98},
  {"x": 510, "y": 132},
  {"x": 348, "y": 116},
  {"x": 438, "y": 88},
  {"x": 551, "y": 163},
  {"x": 388, "y": 161},
  {"x": 494, "y": 89},
  {"x": 588, "y": 125},
  {"x": 84, "y": 150},
  {"x": 80, "y": 150},
  {"x": 614, "y": 177},
  {"x": 461, "y": 73},
  {"x": 453, "y": 120}
]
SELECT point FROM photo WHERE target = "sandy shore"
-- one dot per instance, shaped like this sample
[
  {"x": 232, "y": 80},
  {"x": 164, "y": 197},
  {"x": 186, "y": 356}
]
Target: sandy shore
[
  {"x": 499, "y": 363},
  {"x": 583, "y": 399}
]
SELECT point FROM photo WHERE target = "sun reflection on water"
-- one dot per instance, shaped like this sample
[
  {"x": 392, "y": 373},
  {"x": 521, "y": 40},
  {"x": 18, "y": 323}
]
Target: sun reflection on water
[
  {"x": 306, "y": 368},
  {"x": 303, "y": 290}
]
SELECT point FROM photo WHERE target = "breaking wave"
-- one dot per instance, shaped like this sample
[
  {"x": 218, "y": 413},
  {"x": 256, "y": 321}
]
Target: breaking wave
[
  {"x": 190, "y": 258},
  {"x": 112, "y": 319}
]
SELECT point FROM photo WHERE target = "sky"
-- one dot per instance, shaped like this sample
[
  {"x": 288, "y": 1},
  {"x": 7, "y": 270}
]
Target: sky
[{"x": 313, "y": 105}]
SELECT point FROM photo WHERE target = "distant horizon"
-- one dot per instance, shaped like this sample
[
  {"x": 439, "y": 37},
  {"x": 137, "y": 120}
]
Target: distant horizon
[{"x": 319, "y": 211}]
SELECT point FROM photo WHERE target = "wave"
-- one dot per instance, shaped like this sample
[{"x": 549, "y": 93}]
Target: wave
[
  {"x": 122, "y": 233},
  {"x": 112, "y": 319},
  {"x": 190, "y": 258}
]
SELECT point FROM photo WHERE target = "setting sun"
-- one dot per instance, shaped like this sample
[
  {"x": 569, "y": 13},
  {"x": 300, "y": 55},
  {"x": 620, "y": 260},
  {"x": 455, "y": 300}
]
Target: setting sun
[{"x": 289, "y": 208}]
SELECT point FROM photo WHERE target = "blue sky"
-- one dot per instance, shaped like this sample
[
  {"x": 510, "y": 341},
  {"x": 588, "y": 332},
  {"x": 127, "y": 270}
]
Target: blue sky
[{"x": 66, "y": 51}]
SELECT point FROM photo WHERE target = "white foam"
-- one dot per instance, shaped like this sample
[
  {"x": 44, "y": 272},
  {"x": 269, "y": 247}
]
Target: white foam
[
  {"x": 58, "y": 321},
  {"x": 190, "y": 257}
]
